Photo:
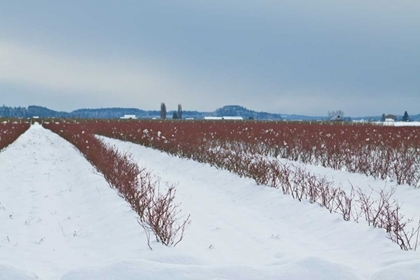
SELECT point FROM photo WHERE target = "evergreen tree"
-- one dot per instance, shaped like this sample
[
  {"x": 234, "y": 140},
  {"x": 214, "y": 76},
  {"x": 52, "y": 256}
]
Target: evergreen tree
[
  {"x": 174, "y": 116},
  {"x": 179, "y": 111},
  {"x": 383, "y": 118},
  {"x": 162, "y": 111},
  {"x": 405, "y": 118}
]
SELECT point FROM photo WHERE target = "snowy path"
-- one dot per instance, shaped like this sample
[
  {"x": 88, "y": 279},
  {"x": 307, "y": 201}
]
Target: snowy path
[
  {"x": 56, "y": 214},
  {"x": 254, "y": 225}
]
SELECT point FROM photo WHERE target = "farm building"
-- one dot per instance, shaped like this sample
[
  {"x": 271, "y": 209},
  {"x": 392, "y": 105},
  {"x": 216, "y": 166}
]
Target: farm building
[
  {"x": 389, "y": 122},
  {"x": 129, "y": 117},
  {"x": 229, "y": 118}
]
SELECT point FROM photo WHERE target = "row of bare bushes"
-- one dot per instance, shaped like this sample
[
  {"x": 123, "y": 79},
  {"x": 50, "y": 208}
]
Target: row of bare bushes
[
  {"x": 158, "y": 213},
  {"x": 379, "y": 210},
  {"x": 10, "y": 131},
  {"x": 378, "y": 151}
]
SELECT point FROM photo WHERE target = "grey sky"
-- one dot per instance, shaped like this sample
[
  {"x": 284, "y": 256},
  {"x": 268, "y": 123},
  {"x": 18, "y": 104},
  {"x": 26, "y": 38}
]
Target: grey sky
[{"x": 303, "y": 57}]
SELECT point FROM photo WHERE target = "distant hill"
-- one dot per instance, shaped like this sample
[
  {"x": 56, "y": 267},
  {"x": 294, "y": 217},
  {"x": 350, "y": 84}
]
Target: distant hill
[
  {"x": 22, "y": 112},
  {"x": 235, "y": 110},
  {"x": 111, "y": 113},
  {"x": 114, "y": 113},
  {"x": 43, "y": 111}
]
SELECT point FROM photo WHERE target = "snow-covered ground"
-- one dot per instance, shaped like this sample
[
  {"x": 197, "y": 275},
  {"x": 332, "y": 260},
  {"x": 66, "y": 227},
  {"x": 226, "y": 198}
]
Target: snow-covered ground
[
  {"x": 59, "y": 219},
  {"x": 407, "y": 123},
  {"x": 399, "y": 123}
]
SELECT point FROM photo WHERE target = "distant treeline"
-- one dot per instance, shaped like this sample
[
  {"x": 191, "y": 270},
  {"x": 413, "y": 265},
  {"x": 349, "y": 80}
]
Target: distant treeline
[
  {"x": 113, "y": 113},
  {"x": 43, "y": 112}
]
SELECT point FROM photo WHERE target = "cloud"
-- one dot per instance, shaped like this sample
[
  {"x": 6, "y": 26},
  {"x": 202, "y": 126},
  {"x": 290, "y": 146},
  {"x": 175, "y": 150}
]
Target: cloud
[
  {"x": 303, "y": 57},
  {"x": 30, "y": 66},
  {"x": 121, "y": 83},
  {"x": 36, "y": 75},
  {"x": 66, "y": 82}
]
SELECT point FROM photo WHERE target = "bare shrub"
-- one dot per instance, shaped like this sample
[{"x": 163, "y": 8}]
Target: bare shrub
[
  {"x": 345, "y": 205},
  {"x": 157, "y": 211},
  {"x": 161, "y": 218}
]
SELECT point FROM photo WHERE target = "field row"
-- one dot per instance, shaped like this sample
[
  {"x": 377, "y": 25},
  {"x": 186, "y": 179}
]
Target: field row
[
  {"x": 378, "y": 151},
  {"x": 381, "y": 211},
  {"x": 155, "y": 205}
]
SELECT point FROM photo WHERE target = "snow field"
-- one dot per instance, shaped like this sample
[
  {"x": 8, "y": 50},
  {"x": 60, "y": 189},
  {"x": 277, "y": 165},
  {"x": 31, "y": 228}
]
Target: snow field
[{"x": 67, "y": 223}]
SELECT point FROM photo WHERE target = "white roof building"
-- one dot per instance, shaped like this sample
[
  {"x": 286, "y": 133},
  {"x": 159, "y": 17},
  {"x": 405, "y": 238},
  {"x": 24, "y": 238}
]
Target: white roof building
[
  {"x": 229, "y": 118},
  {"x": 128, "y": 117},
  {"x": 389, "y": 122}
]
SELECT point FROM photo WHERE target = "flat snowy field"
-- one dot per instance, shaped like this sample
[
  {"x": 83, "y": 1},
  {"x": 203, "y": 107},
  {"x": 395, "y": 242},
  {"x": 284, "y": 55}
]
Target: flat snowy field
[
  {"x": 59, "y": 219},
  {"x": 399, "y": 123}
]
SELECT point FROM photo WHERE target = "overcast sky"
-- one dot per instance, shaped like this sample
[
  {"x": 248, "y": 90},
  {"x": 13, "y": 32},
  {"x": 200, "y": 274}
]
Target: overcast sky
[{"x": 303, "y": 57}]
